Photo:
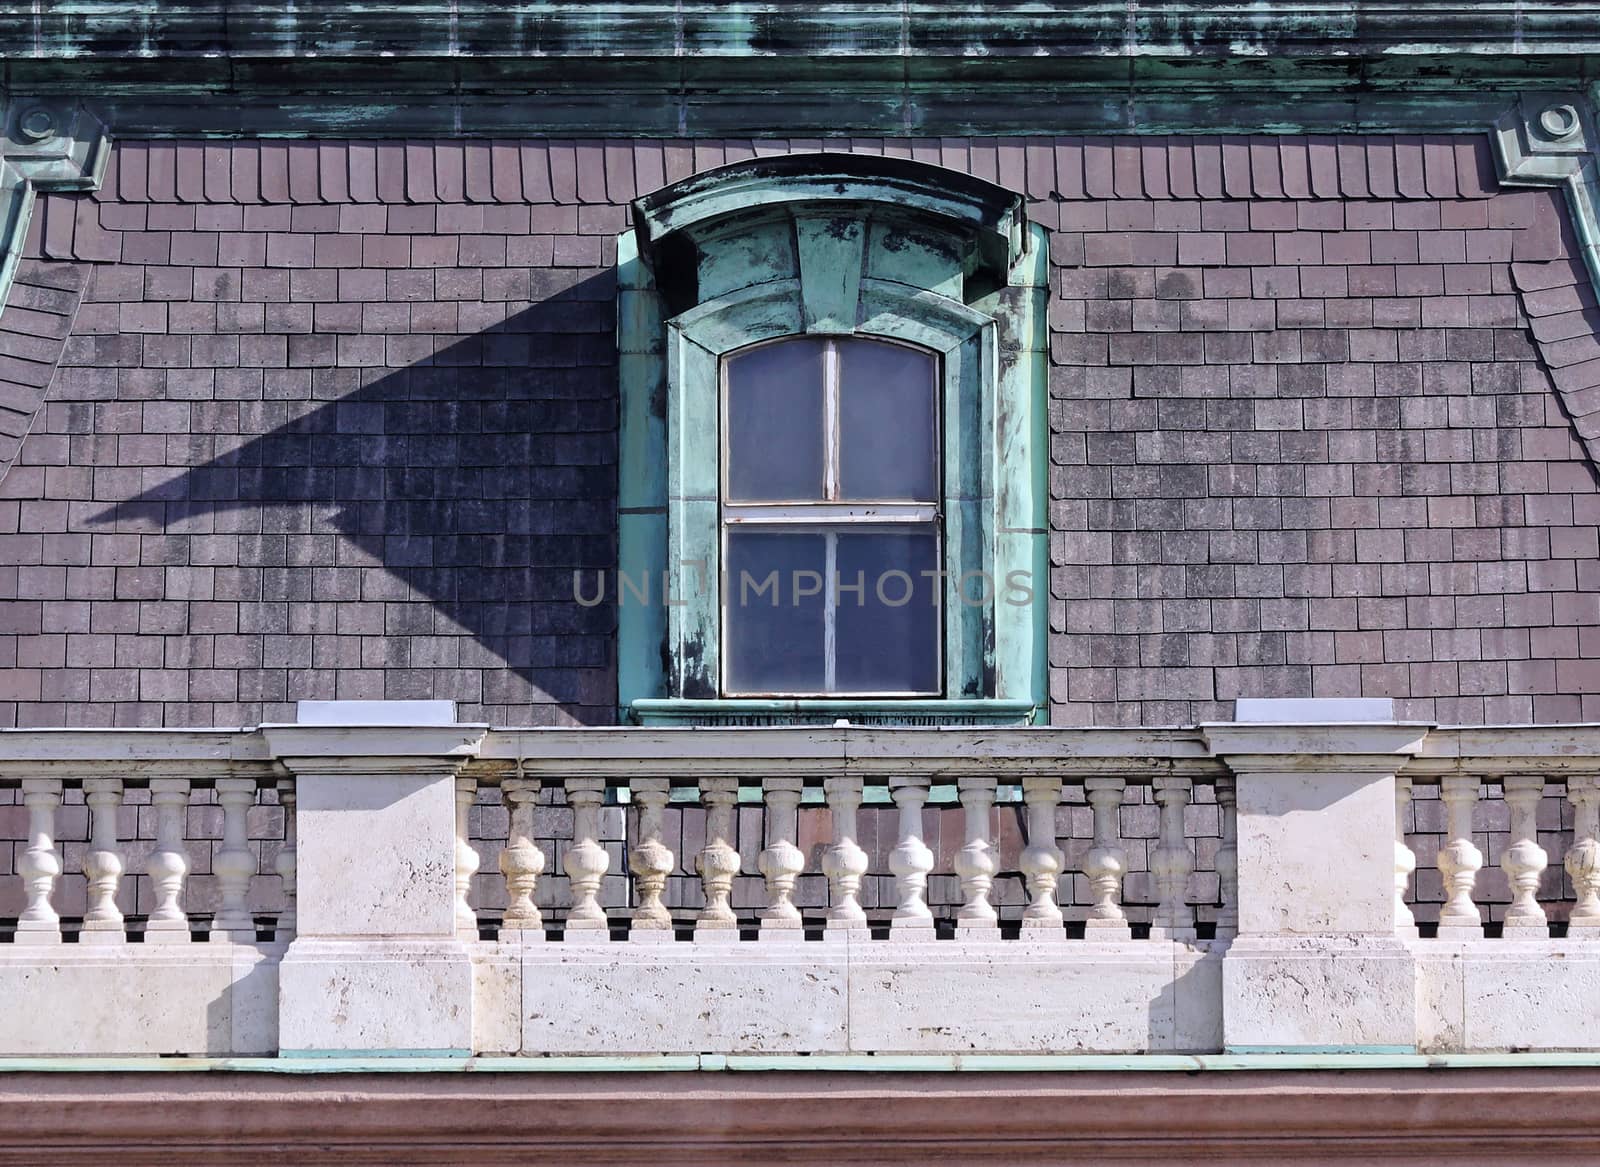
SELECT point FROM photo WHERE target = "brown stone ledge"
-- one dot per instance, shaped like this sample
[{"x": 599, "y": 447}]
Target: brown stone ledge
[{"x": 1466, "y": 1116}]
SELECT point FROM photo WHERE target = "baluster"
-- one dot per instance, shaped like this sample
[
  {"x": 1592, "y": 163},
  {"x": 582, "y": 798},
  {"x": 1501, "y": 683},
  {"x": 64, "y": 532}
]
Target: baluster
[
  {"x": 466, "y": 859},
  {"x": 1041, "y": 861},
  {"x": 234, "y": 863},
  {"x": 39, "y": 865},
  {"x": 1583, "y": 860},
  {"x": 1459, "y": 860},
  {"x": 586, "y": 861},
  {"x": 911, "y": 861},
  {"x": 284, "y": 865},
  {"x": 1106, "y": 862},
  {"x": 718, "y": 861},
  {"x": 1226, "y": 860},
  {"x": 1524, "y": 861},
  {"x": 1405, "y": 861},
  {"x": 521, "y": 862},
  {"x": 975, "y": 862},
  {"x": 168, "y": 865},
  {"x": 102, "y": 919},
  {"x": 781, "y": 860},
  {"x": 651, "y": 860},
  {"x": 1171, "y": 863},
  {"x": 845, "y": 862}
]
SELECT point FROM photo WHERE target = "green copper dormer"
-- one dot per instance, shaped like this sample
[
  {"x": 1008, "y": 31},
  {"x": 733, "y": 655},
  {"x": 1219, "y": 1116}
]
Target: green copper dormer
[{"x": 832, "y": 496}]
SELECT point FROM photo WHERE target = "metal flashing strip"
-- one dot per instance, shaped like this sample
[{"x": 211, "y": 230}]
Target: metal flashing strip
[{"x": 820, "y": 1063}]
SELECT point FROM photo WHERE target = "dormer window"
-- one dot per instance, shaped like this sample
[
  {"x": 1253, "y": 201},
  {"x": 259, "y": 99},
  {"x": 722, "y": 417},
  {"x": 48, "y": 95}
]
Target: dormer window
[{"x": 832, "y": 444}]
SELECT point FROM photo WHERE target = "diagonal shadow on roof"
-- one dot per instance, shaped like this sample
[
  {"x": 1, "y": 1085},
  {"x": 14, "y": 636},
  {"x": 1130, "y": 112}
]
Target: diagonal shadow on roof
[{"x": 479, "y": 478}]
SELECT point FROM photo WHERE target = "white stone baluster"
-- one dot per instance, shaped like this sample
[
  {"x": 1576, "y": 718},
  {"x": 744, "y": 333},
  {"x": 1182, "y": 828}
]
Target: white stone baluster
[
  {"x": 102, "y": 919},
  {"x": 234, "y": 863},
  {"x": 168, "y": 865},
  {"x": 782, "y": 861},
  {"x": 1405, "y": 862},
  {"x": 718, "y": 861},
  {"x": 651, "y": 861},
  {"x": 975, "y": 862},
  {"x": 285, "y": 864},
  {"x": 1524, "y": 861},
  {"x": 1226, "y": 860},
  {"x": 1106, "y": 862},
  {"x": 1459, "y": 860},
  {"x": 521, "y": 862},
  {"x": 845, "y": 863},
  {"x": 39, "y": 865},
  {"x": 1171, "y": 863},
  {"x": 911, "y": 861},
  {"x": 1041, "y": 861},
  {"x": 1583, "y": 860},
  {"x": 467, "y": 859},
  {"x": 586, "y": 861}
]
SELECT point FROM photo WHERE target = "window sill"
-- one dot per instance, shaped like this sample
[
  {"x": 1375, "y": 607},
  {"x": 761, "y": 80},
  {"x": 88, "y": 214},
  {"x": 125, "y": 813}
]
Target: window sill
[{"x": 660, "y": 711}]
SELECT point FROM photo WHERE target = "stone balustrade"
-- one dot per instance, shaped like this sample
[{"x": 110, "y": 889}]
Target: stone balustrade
[{"x": 773, "y": 890}]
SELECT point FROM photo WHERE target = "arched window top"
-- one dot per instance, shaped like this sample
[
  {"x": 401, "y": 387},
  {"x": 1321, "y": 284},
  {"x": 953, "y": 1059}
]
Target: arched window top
[{"x": 989, "y": 221}]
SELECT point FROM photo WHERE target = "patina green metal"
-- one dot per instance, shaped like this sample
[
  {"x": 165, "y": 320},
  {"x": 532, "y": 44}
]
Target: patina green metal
[
  {"x": 707, "y": 68},
  {"x": 47, "y": 145},
  {"x": 827, "y": 244}
]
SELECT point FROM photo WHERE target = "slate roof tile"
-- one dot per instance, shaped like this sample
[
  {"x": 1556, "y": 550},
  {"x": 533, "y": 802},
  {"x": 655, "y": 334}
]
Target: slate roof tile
[
  {"x": 274, "y": 175},
  {"x": 245, "y": 172},
  {"x": 390, "y": 166},
  {"x": 506, "y": 170},
  {"x": 305, "y": 184},
  {"x": 132, "y": 158},
  {"x": 419, "y": 172},
  {"x": 333, "y": 172},
  {"x": 564, "y": 172}
]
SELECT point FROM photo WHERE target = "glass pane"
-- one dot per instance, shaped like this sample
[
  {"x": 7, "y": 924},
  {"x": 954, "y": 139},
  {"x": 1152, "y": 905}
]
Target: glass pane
[
  {"x": 887, "y": 428},
  {"x": 774, "y": 634},
  {"x": 888, "y": 631},
  {"x": 775, "y": 422}
]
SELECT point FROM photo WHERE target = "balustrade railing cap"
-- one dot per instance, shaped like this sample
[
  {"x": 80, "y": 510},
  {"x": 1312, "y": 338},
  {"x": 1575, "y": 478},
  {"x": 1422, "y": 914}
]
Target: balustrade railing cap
[
  {"x": 1500, "y": 749},
  {"x": 132, "y": 747},
  {"x": 379, "y": 748},
  {"x": 1325, "y": 747},
  {"x": 873, "y": 750}
]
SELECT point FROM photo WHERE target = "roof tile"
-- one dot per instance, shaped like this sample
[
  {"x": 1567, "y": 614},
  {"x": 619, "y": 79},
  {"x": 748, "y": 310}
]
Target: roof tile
[
  {"x": 245, "y": 180},
  {"x": 477, "y": 159},
  {"x": 506, "y": 167},
  {"x": 564, "y": 172},
  {"x": 161, "y": 172},
  {"x": 363, "y": 158},
  {"x": 333, "y": 172},
  {"x": 1383, "y": 164},
  {"x": 274, "y": 172},
  {"x": 536, "y": 172},
  {"x": 449, "y": 171},
  {"x": 391, "y": 172},
  {"x": 1439, "y": 166},
  {"x": 1069, "y": 167},
  {"x": 191, "y": 173},
  {"x": 305, "y": 185},
  {"x": 419, "y": 172},
  {"x": 132, "y": 160},
  {"x": 219, "y": 171}
]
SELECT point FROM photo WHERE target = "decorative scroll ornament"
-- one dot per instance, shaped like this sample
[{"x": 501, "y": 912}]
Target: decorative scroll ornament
[{"x": 47, "y": 145}]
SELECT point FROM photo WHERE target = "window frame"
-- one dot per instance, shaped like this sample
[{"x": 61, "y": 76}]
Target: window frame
[
  {"x": 830, "y": 517},
  {"x": 692, "y": 289}
]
